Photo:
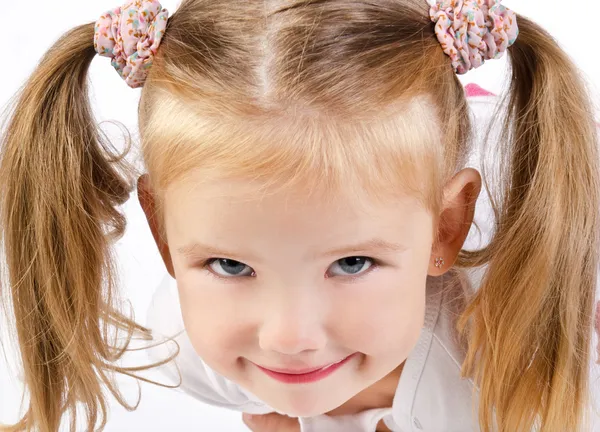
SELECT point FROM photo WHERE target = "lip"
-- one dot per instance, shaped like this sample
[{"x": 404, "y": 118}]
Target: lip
[
  {"x": 299, "y": 371},
  {"x": 299, "y": 376}
]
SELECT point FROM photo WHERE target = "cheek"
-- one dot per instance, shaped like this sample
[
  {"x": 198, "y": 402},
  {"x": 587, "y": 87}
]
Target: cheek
[
  {"x": 210, "y": 321},
  {"x": 387, "y": 318}
]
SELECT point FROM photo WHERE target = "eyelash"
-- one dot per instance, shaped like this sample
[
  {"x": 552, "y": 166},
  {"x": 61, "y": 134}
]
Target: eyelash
[{"x": 375, "y": 265}]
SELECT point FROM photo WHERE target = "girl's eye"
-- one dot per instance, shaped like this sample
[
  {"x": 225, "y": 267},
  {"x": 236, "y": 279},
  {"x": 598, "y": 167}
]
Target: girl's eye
[
  {"x": 230, "y": 267},
  {"x": 352, "y": 266}
]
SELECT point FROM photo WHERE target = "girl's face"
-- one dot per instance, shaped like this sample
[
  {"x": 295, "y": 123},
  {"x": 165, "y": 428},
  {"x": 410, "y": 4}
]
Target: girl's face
[{"x": 290, "y": 282}]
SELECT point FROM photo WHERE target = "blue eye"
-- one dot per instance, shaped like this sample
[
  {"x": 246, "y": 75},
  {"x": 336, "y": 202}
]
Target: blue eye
[
  {"x": 352, "y": 266},
  {"x": 230, "y": 267}
]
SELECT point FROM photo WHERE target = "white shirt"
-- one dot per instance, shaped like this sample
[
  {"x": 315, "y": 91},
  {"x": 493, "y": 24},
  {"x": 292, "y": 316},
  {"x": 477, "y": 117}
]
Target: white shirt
[{"x": 430, "y": 395}]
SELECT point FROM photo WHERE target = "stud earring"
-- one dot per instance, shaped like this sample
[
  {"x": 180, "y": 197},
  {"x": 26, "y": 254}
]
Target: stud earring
[{"x": 439, "y": 262}]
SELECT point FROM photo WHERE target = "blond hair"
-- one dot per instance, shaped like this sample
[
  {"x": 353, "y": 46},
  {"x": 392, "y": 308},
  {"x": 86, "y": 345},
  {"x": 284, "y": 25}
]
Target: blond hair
[{"x": 319, "y": 95}]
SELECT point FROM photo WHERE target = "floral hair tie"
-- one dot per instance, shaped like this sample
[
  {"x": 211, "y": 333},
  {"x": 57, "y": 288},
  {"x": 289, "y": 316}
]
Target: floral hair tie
[
  {"x": 472, "y": 31},
  {"x": 130, "y": 36}
]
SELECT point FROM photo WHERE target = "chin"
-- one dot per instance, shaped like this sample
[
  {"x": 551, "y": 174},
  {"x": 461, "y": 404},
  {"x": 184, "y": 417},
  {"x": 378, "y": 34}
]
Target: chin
[
  {"x": 301, "y": 412},
  {"x": 308, "y": 407}
]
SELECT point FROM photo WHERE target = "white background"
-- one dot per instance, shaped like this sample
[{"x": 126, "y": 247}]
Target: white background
[{"x": 33, "y": 26}]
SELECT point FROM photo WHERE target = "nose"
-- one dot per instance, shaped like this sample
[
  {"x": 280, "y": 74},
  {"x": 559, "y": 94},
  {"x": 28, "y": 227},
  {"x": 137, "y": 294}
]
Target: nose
[{"x": 293, "y": 323}]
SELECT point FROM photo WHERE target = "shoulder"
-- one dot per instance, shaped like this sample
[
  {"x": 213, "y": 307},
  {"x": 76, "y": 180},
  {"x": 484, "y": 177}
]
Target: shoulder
[
  {"x": 188, "y": 369},
  {"x": 441, "y": 389},
  {"x": 454, "y": 294},
  {"x": 435, "y": 368}
]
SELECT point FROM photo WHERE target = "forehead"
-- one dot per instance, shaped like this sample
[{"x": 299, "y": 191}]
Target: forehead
[
  {"x": 235, "y": 214},
  {"x": 224, "y": 200}
]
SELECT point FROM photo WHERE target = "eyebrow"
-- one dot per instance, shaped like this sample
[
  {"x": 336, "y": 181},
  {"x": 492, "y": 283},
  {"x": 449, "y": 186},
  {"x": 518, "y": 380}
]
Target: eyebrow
[{"x": 195, "y": 250}]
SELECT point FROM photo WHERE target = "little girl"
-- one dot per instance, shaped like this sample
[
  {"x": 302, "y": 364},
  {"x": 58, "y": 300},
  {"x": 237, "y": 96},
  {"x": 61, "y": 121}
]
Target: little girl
[{"x": 306, "y": 187}]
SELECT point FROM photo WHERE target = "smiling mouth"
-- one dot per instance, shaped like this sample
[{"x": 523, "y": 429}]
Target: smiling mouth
[
  {"x": 302, "y": 371},
  {"x": 302, "y": 376}
]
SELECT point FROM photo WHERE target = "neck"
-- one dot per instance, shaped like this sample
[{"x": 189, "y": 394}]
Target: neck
[{"x": 378, "y": 395}]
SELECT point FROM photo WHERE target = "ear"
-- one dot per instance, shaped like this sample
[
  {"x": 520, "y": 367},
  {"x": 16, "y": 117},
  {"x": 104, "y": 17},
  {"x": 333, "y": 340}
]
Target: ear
[
  {"x": 460, "y": 197},
  {"x": 147, "y": 201}
]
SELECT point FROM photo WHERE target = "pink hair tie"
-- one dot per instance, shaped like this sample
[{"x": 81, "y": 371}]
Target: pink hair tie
[
  {"x": 130, "y": 35},
  {"x": 472, "y": 31}
]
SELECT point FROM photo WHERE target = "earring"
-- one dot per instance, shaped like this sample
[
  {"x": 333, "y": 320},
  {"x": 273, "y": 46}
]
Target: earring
[{"x": 439, "y": 262}]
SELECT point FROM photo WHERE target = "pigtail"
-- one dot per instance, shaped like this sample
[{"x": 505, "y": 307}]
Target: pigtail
[
  {"x": 532, "y": 318},
  {"x": 59, "y": 191}
]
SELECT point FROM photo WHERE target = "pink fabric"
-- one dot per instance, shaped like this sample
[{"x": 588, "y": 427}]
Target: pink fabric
[
  {"x": 472, "y": 31},
  {"x": 130, "y": 36},
  {"x": 473, "y": 90}
]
